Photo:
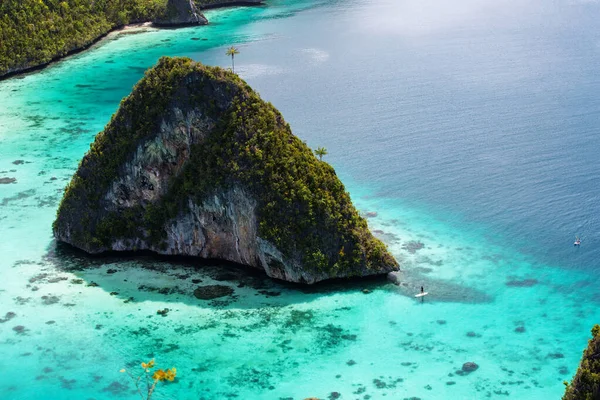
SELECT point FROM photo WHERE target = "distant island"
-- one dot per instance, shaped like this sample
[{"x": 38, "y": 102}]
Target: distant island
[
  {"x": 34, "y": 33},
  {"x": 586, "y": 383},
  {"x": 195, "y": 163}
]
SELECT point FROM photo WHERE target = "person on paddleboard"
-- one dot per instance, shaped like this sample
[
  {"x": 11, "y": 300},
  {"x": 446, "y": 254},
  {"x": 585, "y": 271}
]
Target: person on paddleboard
[{"x": 422, "y": 289}]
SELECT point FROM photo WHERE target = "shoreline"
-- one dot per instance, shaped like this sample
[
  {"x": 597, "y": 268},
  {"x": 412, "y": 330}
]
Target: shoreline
[
  {"x": 133, "y": 28},
  {"x": 136, "y": 27}
]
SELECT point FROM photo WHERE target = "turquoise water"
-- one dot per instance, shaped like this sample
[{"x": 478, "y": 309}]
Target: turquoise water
[{"x": 472, "y": 128}]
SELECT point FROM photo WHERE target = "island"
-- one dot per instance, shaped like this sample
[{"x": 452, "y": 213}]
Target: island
[
  {"x": 586, "y": 383},
  {"x": 195, "y": 163},
  {"x": 34, "y": 33}
]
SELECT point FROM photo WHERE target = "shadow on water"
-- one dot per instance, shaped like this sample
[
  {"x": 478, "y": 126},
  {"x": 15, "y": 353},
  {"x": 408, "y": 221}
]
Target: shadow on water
[
  {"x": 143, "y": 276},
  {"x": 440, "y": 290},
  {"x": 146, "y": 276}
]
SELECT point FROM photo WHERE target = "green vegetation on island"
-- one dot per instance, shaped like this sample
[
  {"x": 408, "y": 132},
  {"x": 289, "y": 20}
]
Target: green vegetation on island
[
  {"x": 232, "y": 51},
  {"x": 303, "y": 208},
  {"x": 320, "y": 152},
  {"x": 586, "y": 383},
  {"x": 34, "y": 32}
]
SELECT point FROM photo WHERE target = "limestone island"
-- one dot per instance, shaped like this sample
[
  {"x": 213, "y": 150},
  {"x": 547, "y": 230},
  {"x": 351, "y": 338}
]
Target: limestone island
[{"x": 195, "y": 163}]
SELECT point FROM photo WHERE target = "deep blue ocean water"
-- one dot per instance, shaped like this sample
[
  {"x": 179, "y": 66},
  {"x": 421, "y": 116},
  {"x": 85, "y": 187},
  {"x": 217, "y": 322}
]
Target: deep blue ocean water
[{"x": 472, "y": 128}]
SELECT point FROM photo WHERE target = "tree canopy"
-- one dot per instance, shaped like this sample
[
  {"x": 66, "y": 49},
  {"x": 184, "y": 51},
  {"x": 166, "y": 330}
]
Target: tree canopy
[
  {"x": 34, "y": 32},
  {"x": 586, "y": 383}
]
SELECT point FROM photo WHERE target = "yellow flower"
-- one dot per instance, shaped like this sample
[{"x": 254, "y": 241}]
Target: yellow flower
[
  {"x": 148, "y": 365},
  {"x": 159, "y": 375},
  {"x": 170, "y": 374}
]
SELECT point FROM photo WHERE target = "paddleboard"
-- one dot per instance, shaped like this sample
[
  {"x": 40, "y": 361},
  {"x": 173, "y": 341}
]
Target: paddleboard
[{"x": 421, "y": 294}]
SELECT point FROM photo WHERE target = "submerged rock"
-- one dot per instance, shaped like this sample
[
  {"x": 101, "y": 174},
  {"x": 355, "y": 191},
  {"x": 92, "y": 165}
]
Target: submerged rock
[
  {"x": 7, "y": 317},
  {"x": 522, "y": 283},
  {"x": 413, "y": 246},
  {"x": 212, "y": 292},
  {"x": 20, "y": 329},
  {"x": 180, "y": 12},
  {"x": 469, "y": 367},
  {"x": 194, "y": 163},
  {"x": 163, "y": 312}
]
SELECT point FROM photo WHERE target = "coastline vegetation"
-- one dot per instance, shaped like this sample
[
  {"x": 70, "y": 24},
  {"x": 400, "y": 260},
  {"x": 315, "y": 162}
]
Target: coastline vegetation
[
  {"x": 35, "y": 32},
  {"x": 586, "y": 382}
]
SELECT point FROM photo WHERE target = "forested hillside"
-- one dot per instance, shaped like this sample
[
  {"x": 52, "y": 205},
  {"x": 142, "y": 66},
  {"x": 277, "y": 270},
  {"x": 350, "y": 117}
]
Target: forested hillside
[
  {"x": 34, "y": 32},
  {"x": 586, "y": 383}
]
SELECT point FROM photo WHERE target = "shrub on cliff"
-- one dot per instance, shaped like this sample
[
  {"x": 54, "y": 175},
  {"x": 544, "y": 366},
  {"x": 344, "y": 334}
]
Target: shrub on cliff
[{"x": 586, "y": 383}]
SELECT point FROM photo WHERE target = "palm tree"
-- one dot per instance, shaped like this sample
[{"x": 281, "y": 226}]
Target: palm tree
[
  {"x": 321, "y": 151},
  {"x": 232, "y": 51}
]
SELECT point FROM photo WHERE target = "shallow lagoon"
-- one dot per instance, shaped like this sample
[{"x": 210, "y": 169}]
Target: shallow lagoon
[{"x": 471, "y": 130}]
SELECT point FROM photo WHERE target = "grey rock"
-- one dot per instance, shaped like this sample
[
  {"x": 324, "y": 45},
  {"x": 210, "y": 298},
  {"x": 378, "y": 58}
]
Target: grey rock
[
  {"x": 469, "y": 367},
  {"x": 181, "y": 12}
]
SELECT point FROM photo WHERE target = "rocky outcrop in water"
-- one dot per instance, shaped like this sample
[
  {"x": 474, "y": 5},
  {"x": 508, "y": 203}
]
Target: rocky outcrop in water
[
  {"x": 194, "y": 163},
  {"x": 180, "y": 12}
]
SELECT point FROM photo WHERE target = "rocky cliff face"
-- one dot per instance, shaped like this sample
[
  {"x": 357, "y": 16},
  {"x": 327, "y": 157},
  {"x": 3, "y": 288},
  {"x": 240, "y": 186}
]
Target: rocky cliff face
[
  {"x": 195, "y": 163},
  {"x": 180, "y": 12}
]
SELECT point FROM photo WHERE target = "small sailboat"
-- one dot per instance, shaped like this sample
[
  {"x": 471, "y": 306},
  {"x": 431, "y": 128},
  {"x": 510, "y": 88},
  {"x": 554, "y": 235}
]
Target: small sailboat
[{"x": 577, "y": 241}]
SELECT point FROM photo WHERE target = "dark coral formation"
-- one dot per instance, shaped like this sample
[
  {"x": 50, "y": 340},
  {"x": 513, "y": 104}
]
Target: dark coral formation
[{"x": 210, "y": 292}]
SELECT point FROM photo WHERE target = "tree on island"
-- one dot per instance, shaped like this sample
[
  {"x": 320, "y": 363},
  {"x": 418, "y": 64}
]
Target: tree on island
[
  {"x": 232, "y": 51},
  {"x": 321, "y": 151}
]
